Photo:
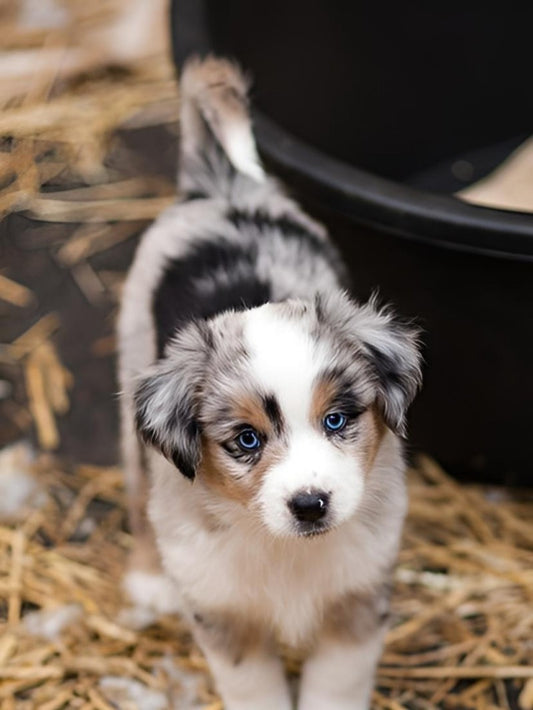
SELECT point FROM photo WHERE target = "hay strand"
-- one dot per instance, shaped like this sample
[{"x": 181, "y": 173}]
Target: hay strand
[{"x": 15, "y": 293}]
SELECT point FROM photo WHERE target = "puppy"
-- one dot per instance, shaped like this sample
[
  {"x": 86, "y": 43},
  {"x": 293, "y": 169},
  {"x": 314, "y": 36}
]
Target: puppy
[{"x": 262, "y": 412}]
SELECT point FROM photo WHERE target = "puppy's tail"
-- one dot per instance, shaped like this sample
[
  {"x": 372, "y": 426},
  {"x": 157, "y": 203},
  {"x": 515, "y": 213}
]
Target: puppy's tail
[{"x": 216, "y": 132}]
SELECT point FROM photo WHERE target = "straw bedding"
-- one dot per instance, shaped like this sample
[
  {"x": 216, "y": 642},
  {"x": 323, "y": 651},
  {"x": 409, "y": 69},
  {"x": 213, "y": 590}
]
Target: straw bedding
[
  {"x": 462, "y": 605},
  {"x": 462, "y": 631}
]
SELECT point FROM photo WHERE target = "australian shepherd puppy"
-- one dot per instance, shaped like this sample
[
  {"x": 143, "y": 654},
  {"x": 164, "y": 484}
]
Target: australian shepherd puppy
[{"x": 262, "y": 416}]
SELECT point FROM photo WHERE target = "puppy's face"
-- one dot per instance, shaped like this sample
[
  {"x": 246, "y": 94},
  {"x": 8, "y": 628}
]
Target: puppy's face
[{"x": 282, "y": 408}]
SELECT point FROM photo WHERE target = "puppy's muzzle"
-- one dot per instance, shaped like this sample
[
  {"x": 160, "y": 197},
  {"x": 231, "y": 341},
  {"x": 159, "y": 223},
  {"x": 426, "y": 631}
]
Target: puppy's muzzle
[{"x": 309, "y": 507}]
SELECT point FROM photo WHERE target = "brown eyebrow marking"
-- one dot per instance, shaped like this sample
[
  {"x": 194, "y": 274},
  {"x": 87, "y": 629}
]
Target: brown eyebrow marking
[
  {"x": 248, "y": 409},
  {"x": 324, "y": 393},
  {"x": 333, "y": 391}
]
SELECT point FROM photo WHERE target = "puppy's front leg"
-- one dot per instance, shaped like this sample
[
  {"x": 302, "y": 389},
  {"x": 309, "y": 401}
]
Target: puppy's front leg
[
  {"x": 247, "y": 673},
  {"x": 339, "y": 674}
]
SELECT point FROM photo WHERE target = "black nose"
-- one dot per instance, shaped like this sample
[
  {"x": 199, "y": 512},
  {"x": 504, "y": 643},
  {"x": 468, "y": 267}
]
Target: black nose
[{"x": 309, "y": 507}]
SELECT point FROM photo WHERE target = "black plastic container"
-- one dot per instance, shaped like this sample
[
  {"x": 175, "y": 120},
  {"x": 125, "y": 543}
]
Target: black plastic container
[{"x": 371, "y": 111}]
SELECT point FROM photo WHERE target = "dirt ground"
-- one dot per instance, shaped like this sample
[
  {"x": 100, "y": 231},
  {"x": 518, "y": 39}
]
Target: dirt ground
[{"x": 85, "y": 336}]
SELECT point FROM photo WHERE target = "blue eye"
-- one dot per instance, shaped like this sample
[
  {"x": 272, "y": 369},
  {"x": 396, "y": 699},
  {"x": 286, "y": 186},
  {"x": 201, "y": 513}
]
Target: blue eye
[
  {"x": 248, "y": 440},
  {"x": 334, "y": 421}
]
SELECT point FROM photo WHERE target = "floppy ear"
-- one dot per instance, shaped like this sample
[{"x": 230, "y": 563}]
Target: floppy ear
[
  {"x": 392, "y": 349},
  {"x": 166, "y": 400}
]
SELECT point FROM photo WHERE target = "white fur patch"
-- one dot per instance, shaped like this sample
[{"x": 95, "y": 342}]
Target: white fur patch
[
  {"x": 49, "y": 623},
  {"x": 19, "y": 488},
  {"x": 182, "y": 684},
  {"x": 240, "y": 146},
  {"x": 151, "y": 591},
  {"x": 286, "y": 361},
  {"x": 340, "y": 675},
  {"x": 129, "y": 693}
]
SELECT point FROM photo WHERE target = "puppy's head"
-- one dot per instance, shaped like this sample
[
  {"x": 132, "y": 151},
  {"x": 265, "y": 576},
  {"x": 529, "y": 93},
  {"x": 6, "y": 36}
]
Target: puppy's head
[{"x": 282, "y": 408}]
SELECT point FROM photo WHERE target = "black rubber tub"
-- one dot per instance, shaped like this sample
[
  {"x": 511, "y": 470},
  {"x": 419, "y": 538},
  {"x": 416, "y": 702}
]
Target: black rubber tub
[{"x": 375, "y": 112}]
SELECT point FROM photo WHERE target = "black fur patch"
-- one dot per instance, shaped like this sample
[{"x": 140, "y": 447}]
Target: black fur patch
[
  {"x": 182, "y": 463},
  {"x": 293, "y": 230},
  {"x": 263, "y": 221},
  {"x": 230, "y": 269},
  {"x": 179, "y": 297},
  {"x": 270, "y": 403},
  {"x": 194, "y": 195},
  {"x": 388, "y": 368},
  {"x": 319, "y": 308}
]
